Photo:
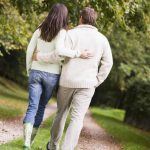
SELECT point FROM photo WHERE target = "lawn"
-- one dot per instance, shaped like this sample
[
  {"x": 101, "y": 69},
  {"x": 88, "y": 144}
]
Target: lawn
[
  {"x": 129, "y": 137},
  {"x": 13, "y": 99}
]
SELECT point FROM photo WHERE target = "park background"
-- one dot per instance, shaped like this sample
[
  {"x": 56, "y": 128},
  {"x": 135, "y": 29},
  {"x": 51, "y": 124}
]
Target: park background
[{"x": 121, "y": 105}]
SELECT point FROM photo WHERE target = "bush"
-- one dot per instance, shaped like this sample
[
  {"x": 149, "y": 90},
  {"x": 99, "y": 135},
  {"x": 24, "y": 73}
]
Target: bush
[
  {"x": 107, "y": 95},
  {"x": 12, "y": 66},
  {"x": 137, "y": 105}
]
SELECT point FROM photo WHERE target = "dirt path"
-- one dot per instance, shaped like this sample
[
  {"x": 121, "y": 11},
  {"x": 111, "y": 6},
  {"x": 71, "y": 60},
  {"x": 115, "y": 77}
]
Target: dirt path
[
  {"x": 93, "y": 137},
  {"x": 10, "y": 130}
]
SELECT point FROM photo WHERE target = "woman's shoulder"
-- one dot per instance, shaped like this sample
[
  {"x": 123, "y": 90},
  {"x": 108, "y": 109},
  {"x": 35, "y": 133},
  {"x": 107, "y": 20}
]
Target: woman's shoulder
[
  {"x": 62, "y": 31},
  {"x": 37, "y": 32}
]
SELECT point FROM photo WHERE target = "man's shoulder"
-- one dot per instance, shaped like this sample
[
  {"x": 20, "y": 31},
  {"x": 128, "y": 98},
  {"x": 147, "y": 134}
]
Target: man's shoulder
[
  {"x": 101, "y": 35},
  {"x": 97, "y": 34}
]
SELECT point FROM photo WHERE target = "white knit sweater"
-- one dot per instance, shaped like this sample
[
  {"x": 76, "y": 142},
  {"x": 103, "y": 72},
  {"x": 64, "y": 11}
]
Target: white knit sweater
[
  {"x": 56, "y": 48},
  {"x": 86, "y": 73}
]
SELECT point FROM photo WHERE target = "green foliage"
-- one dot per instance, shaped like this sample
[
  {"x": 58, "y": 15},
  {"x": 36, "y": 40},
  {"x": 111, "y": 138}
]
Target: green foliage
[
  {"x": 13, "y": 28},
  {"x": 26, "y": 6},
  {"x": 12, "y": 66},
  {"x": 18, "y": 21},
  {"x": 137, "y": 105},
  {"x": 20, "y": 18},
  {"x": 131, "y": 58},
  {"x": 124, "y": 13}
]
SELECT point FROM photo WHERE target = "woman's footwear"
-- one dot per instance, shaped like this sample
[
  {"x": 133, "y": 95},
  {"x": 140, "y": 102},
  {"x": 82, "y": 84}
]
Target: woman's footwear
[
  {"x": 27, "y": 135},
  {"x": 33, "y": 135}
]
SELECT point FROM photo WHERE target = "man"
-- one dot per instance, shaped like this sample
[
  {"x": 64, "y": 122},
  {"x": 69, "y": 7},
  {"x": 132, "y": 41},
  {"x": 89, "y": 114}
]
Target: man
[{"x": 79, "y": 78}]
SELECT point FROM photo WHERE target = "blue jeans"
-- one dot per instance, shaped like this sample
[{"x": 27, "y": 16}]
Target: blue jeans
[{"x": 41, "y": 86}]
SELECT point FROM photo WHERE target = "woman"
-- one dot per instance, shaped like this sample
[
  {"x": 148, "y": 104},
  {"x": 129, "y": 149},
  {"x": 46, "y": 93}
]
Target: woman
[{"x": 43, "y": 77}]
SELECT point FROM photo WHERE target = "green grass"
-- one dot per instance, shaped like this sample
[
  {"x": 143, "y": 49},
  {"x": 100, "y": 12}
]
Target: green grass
[
  {"x": 9, "y": 113},
  {"x": 13, "y": 100},
  {"x": 112, "y": 121}
]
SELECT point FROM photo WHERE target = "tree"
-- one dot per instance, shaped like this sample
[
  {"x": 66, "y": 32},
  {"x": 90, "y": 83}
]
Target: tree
[{"x": 15, "y": 31}]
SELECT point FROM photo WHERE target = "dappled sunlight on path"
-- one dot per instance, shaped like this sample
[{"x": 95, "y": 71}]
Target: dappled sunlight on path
[{"x": 93, "y": 137}]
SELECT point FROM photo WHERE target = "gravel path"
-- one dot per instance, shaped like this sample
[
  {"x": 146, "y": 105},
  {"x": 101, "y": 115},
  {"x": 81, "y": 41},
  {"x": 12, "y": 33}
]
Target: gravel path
[
  {"x": 93, "y": 137},
  {"x": 10, "y": 130}
]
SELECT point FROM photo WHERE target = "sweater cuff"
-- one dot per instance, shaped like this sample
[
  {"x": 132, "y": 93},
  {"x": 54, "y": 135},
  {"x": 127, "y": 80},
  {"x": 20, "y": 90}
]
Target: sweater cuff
[
  {"x": 78, "y": 54},
  {"x": 98, "y": 82}
]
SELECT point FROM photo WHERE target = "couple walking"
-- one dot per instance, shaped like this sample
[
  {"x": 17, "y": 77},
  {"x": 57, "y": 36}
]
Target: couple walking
[{"x": 86, "y": 60}]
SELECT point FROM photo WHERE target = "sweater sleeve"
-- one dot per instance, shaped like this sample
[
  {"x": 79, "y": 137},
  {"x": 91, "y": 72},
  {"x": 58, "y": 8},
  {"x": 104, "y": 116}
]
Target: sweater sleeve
[
  {"x": 60, "y": 50},
  {"x": 106, "y": 63},
  {"x": 31, "y": 48}
]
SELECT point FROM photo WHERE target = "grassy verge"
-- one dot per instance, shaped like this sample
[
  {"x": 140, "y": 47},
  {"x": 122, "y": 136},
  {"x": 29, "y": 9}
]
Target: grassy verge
[
  {"x": 112, "y": 121},
  {"x": 13, "y": 100}
]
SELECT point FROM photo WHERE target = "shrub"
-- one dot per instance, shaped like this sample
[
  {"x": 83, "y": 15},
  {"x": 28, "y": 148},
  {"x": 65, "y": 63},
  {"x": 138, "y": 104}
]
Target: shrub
[{"x": 137, "y": 105}]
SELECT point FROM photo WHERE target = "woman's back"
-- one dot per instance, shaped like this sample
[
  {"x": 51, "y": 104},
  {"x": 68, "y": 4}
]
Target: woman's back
[
  {"x": 45, "y": 36},
  {"x": 41, "y": 45}
]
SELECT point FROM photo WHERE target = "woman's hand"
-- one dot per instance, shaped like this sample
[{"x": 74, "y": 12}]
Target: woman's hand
[{"x": 86, "y": 54}]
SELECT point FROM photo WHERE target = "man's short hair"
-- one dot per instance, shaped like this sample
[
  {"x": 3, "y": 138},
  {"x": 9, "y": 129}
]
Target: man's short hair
[{"x": 89, "y": 16}]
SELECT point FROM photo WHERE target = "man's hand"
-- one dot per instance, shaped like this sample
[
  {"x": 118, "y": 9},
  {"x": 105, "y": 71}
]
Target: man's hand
[
  {"x": 86, "y": 54},
  {"x": 34, "y": 57}
]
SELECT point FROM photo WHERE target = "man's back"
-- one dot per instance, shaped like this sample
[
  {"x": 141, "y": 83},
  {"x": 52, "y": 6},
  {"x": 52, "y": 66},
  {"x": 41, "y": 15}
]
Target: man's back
[{"x": 82, "y": 73}]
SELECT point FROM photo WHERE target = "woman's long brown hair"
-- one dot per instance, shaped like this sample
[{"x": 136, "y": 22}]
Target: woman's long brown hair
[{"x": 56, "y": 20}]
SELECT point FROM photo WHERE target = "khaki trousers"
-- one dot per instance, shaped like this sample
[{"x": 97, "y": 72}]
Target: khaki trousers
[{"x": 78, "y": 100}]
